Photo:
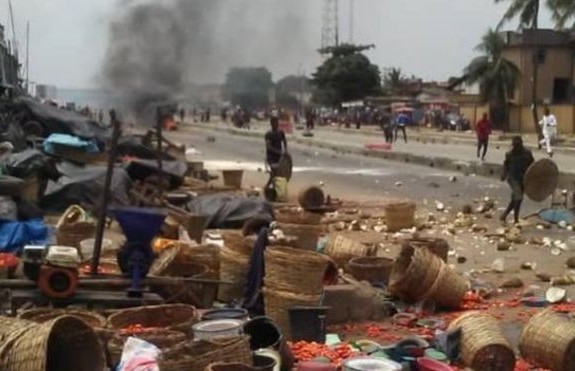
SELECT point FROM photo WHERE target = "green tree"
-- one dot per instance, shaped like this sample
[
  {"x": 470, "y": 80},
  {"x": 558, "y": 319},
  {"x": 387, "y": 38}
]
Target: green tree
[
  {"x": 248, "y": 87},
  {"x": 291, "y": 89},
  {"x": 394, "y": 82},
  {"x": 346, "y": 75},
  {"x": 563, "y": 12},
  {"x": 497, "y": 77},
  {"x": 527, "y": 13}
]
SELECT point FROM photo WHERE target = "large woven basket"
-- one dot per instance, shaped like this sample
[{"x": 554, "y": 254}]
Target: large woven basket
[
  {"x": 197, "y": 355},
  {"x": 295, "y": 270},
  {"x": 177, "y": 317},
  {"x": 74, "y": 226},
  {"x": 311, "y": 198},
  {"x": 483, "y": 346},
  {"x": 342, "y": 249},
  {"x": 297, "y": 216},
  {"x": 233, "y": 268},
  {"x": 306, "y": 235},
  {"x": 371, "y": 269},
  {"x": 541, "y": 179},
  {"x": 277, "y": 304},
  {"x": 64, "y": 343},
  {"x": 161, "y": 338},
  {"x": 400, "y": 216},
  {"x": 235, "y": 241},
  {"x": 548, "y": 341},
  {"x": 414, "y": 273},
  {"x": 449, "y": 289},
  {"x": 438, "y": 246}
]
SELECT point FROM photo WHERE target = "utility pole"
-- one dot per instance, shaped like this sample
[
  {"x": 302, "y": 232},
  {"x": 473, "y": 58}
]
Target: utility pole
[
  {"x": 330, "y": 30},
  {"x": 14, "y": 41},
  {"x": 27, "y": 55},
  {"x": 351, "y": 20}
]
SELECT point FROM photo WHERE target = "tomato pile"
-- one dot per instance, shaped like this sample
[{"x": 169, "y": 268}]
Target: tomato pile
[
  {"x": 8, "y": 260},
  {"x": 136, "y": 329},
  {"x": 87, "y": 269},
  {"x": 305, "y": 351}
]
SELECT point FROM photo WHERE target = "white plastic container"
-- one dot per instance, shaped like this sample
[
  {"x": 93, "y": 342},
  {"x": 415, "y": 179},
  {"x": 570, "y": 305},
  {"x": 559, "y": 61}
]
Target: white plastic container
[
  {"x": 63, "y": 256},
  {"x": 217, "y": 329},
  {"x": 371, "y": 364}
]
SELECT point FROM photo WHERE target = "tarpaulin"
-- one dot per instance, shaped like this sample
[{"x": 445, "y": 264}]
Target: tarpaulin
[
  {"x": 15, "y": 235},
  {"x": 141, "y": 169},
  {"x": 53, "y": 140},
  {"x": 27, "y": 163},
  {"x": 227, "y": 211},
  {"x": 132, "y": 146},
  {"x": 84, "y": 186}
]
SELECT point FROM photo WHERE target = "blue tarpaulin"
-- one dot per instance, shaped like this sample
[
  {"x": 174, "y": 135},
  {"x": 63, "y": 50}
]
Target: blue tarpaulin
[
  {"x": 15, "y": 235},
  {"x": 69, "y": 141}
]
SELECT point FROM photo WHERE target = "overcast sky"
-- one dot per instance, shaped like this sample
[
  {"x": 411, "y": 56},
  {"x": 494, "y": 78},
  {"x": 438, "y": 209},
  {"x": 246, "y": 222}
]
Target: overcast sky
[{"x": 433, "y": 39}]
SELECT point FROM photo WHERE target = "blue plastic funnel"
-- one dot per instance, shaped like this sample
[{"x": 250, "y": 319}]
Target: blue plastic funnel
[{"x": 140, "y": 225}]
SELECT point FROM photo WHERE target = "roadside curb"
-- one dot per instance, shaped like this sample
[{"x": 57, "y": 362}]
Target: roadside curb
[{"x": 485, "y": 169}]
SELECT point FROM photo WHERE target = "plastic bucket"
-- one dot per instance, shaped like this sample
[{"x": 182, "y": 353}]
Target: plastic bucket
[
  {"x": 87, "y": 247},
  {"x": 220, "y": 328},
  {"x": 428, "y": 364},
  {"x": 264, "y": 363},
  {"x": 264, "y": 334},
  {"x": 308, "y": 323}
]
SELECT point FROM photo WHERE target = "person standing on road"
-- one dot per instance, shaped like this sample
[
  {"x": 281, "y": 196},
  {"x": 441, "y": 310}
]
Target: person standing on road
[
  {"x": 549, "y": 130},
  {"x": 402, "y": 121},
  {"x": 517, "y": 161},
  {"x": 276, "y": 145},
  {"x": 483, "y": 130}
]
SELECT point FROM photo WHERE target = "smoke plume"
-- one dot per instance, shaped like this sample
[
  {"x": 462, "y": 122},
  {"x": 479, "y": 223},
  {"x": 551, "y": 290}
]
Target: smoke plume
[{"x": 159, "y": 48}]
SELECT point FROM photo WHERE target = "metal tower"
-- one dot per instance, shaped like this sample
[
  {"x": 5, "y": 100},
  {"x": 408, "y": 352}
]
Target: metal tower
[{"x": 330, "y": 31}]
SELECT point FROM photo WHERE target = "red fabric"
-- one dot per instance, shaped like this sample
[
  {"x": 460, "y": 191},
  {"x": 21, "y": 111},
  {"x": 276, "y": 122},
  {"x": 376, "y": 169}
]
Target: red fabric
[{"x": 483, "y": 129}]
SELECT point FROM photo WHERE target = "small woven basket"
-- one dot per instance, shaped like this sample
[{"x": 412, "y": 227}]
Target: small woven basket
[
  {"x": 74, "y": 226},
  {"x": 548, "y": 341},
  {"x": 414, "y": 273},
  {"x": 306, "y": 235},
  {"x": 400, "y": 216},
  {"x": 233, "y": 268},
  {"x": 64, "y": 343},
  {"x": 295, "y": 270},
  {"x": 161, "y": 338},
  {"x": 197, "y": 355},
  {"x": 438, "y": 246},
  {"x": 342, "y": 249},
  {"x": 371, "y": 269},
  {"x": 483, "y": 346},
  {"x": 277, "y": 304},
  {"x": 177, "y": 317}
]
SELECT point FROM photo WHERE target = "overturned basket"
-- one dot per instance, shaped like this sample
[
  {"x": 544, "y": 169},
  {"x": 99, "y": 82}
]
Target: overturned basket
[
  {"x": 437, "y": 246},
  {"x": 41, "y": 315},
  {"x": 483, "y": 346},
  {"x": 449, "y": 289},
  {"x": 294, "y": 270},
  {"x": 548, "y": 341},
  {"x": 342, "y": 249},
  {"x": 371, "y": 269},
  {"x": 197, "y": 355},
  {"x": 177, "y": 317}
]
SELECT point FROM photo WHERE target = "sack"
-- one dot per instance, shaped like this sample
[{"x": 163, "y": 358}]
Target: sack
[{"x": 281, "y": 188}]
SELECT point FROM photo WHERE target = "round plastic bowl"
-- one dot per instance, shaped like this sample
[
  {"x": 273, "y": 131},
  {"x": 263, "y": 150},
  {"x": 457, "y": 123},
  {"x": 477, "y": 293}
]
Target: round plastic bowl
[
  {"x": 217, "y": 328},
  {"x": 428, "y": 364}
]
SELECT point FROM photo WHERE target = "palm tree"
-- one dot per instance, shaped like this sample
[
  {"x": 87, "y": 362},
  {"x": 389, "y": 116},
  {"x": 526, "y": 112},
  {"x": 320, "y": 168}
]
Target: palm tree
[
  {"x": 394, "y": 81},
  {"x": 563, "y": 12},
  {"x": 497, "y": 77},
  {"x": 527, "y": 12}
]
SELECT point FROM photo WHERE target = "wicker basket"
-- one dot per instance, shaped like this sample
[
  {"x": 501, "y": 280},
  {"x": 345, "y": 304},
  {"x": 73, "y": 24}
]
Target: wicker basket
[
  {"x": 161, "y": 338},
  {"x": 400, "y": 216},
  {"x": 74, "y": 227},
  {"x": 306, "y": 236},
  {"x": 311, "y": 198},
  {"x": 197, "y": 294},
  {"x": 438, "y": 246},
  {"x": 233, "y": 178},
  {"x": 295, "y": 270},
  {"x": 449, "y": 289},
  {"x": 64, "y": 343},
  {"x": 177, "y": 317},
  {"x": 197, "y": 355},
  {"x": 414, "y": 273},
  {"x": 371, "y": 269},
  {"x": 297, "y": 216},
  {"x": 230, "y": 367},
  {"x": 483, "y": 346},
  {"x": 233, "y": 268},
  {"x": 277, "y": 305},
  {"x": 548, "y": 341},
  {"x": 342, "y": 249},
  {"x": 235, "y": 241}
]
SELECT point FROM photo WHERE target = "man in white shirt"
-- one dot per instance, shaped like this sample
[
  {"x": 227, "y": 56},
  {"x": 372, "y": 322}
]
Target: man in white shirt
[{"x": 549, "y": 130}]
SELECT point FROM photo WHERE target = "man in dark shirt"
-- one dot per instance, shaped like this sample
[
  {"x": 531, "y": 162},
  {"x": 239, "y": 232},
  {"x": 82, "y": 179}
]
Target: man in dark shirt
[
  {"x": 517, "y": 161},
  {"x": 276, "y": 145}
]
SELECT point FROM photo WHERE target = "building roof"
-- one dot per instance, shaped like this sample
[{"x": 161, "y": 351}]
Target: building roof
[{"x": 543, "y": 37}]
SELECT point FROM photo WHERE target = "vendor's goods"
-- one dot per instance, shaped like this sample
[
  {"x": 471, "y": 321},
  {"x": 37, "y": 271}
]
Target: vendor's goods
[
  {"x": 74, "y": 226},
  {"x": 64, "y": 343},
  {"x": 233, "y": 268},
  {"x": 307, "y": 235},
  {"x": 371, "y": 269},
  {"x": 178, "y": 317},
  {"x": 304, "y": 351},
  {"x": 483, "y": 346},
  {"x": 366, "y": 364},
  {"x": 342, "y": 249},
  {"x": 225, "y": 313},
  {"x": 293, "y": 270},
  {"x": 218, "y": 328},
  {"x": 197, "y": 355},
  {"x": 399, "y": 216},
  {"x": 161, "y": 338},
  {"x": 548, "y": 341},
  {"x": 265, "y": 335},
  {"x": 8, "y": 265},
  {"x": 448, "y": 289}
]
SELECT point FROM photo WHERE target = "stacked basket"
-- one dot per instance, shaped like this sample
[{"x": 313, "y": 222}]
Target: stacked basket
[
  {"x": 292, "y": 278},
  {"x": 305, "y": 226}
]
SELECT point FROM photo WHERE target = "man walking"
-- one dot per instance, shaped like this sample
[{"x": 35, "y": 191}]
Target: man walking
[
  {"x": 549, "y": 130},
  {"x": 276, "y": 145},
  {"x": 402, "y": 121},
  {"x": 517, "y": 161},
  {"x": 483, "y": 130}
]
